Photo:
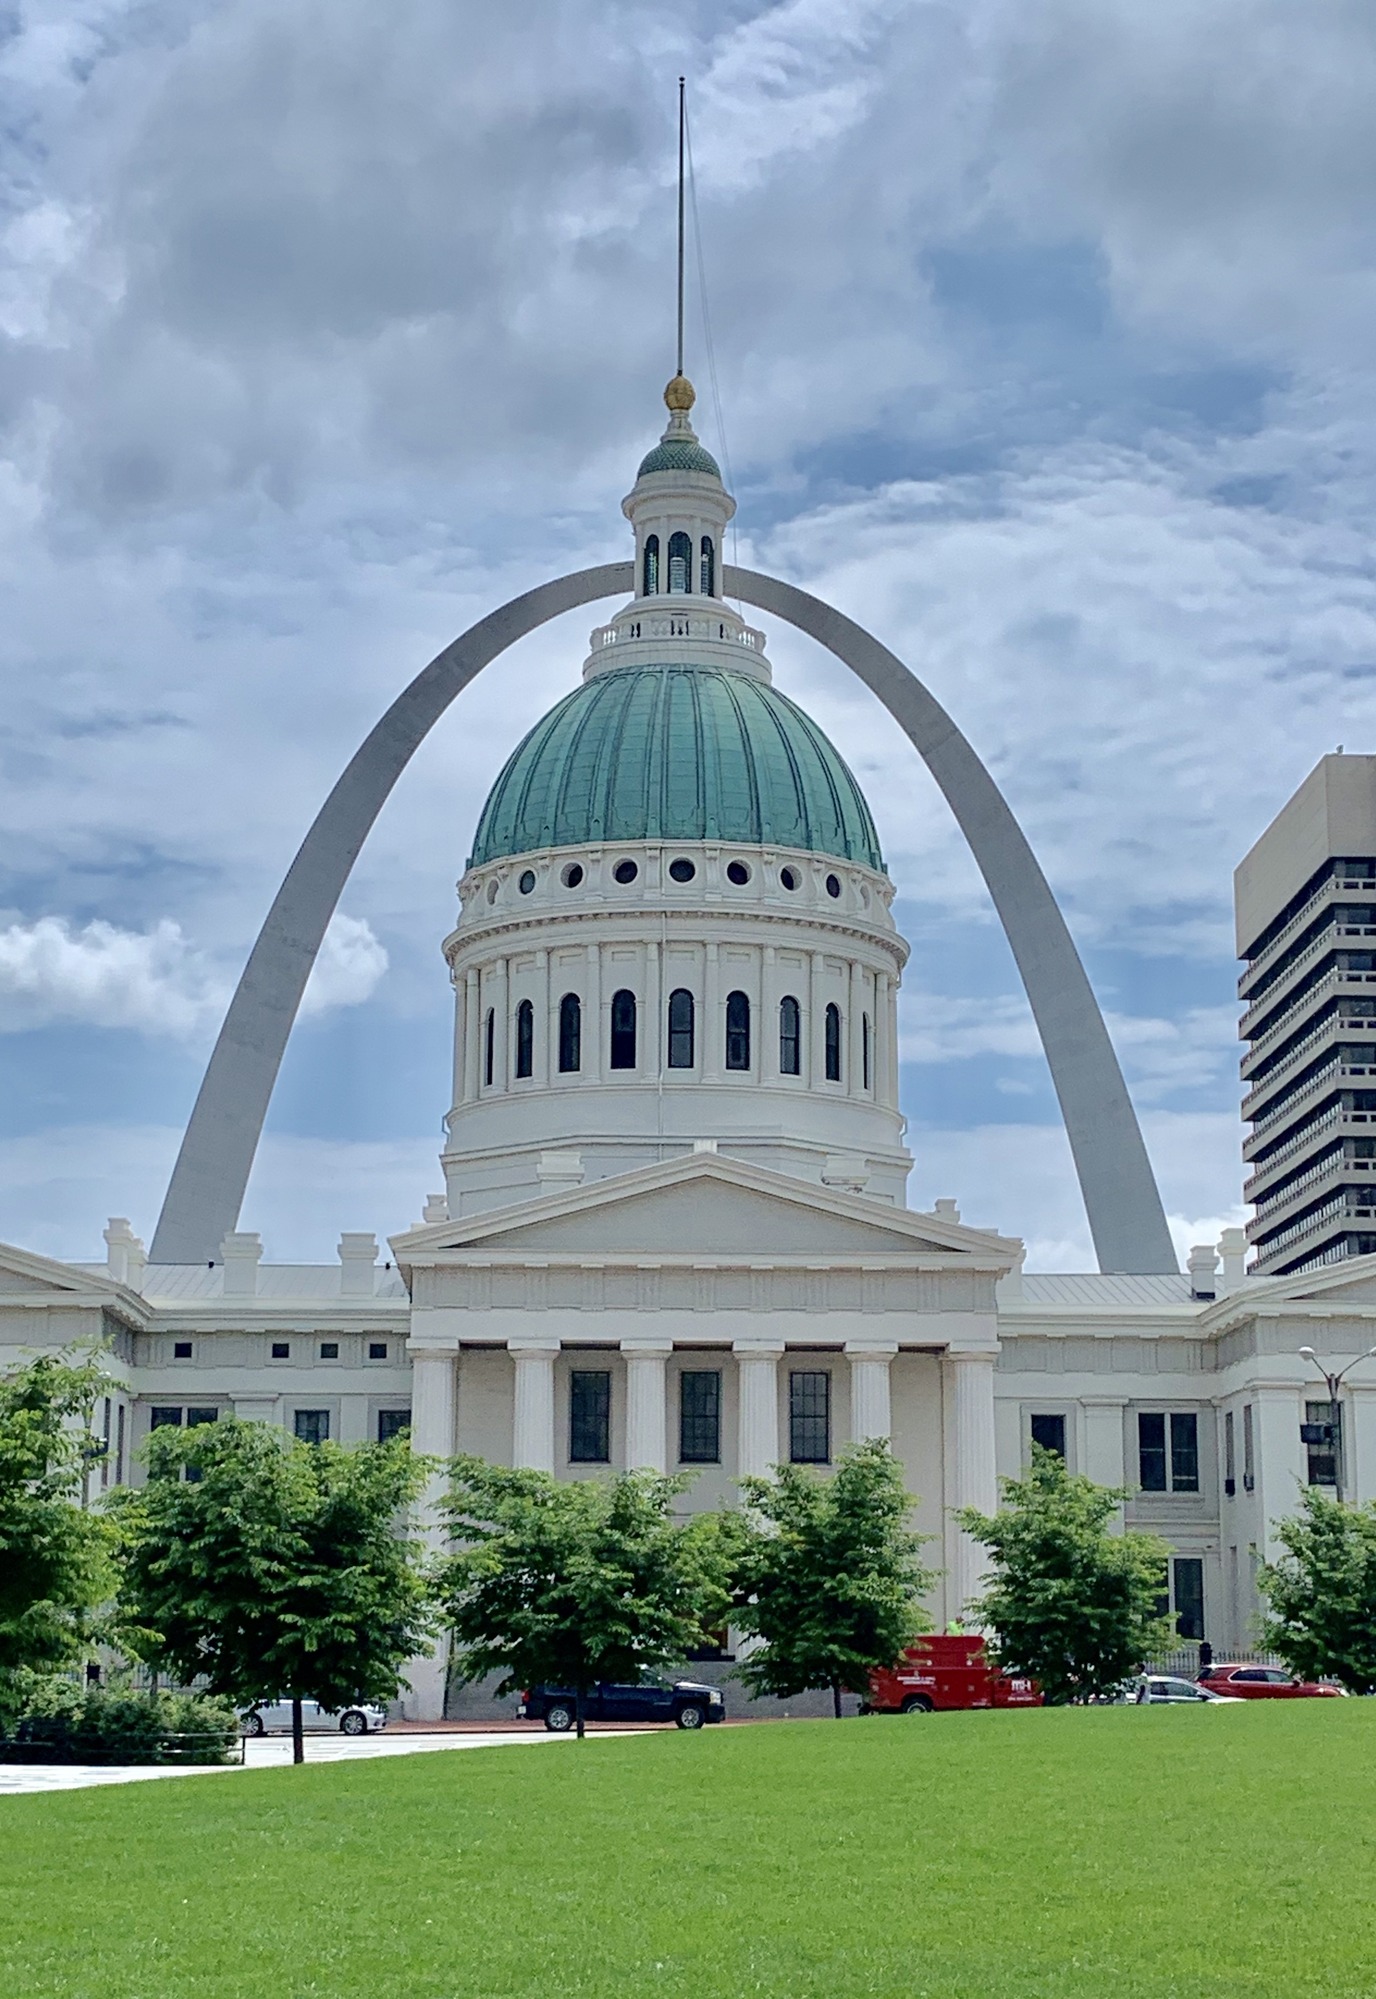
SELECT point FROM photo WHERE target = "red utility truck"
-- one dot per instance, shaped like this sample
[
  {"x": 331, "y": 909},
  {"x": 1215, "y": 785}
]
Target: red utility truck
[{"x": 939, "y": 1674}]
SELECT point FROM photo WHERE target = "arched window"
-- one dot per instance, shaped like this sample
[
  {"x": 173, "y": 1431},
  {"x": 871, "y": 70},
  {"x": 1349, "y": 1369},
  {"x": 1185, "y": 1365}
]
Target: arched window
[
  {"x": 570, "y": 1035},
  {"x": 737, "y": 1031},
  {"x": 489, "y": 1047},
  {"x": 651, "y": 566},
  {"x": 866, "y": 1050},
  {"x": 790, "y": 1037},
  {"x": 525, "y": 1039},
  {"x": 707, "y": 568},
  {"x": 833, "y": 1041},
  {"x": 623, "y": 1030},
  {"x": 681, "y": 1029},
  {"x": 680, "y": 562}
]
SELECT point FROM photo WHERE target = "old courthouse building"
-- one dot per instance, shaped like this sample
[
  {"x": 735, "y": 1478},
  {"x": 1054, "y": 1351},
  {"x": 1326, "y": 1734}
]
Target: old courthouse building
[{"x": 673, "y": 1230}]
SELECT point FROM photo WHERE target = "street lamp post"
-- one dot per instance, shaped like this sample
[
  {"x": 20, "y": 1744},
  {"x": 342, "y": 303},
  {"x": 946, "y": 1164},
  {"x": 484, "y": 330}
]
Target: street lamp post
[{"x": 1335, "y": 1382}]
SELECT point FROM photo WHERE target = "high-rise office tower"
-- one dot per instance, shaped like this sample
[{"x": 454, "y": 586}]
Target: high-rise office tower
[{"x": 1305, "y": 901}]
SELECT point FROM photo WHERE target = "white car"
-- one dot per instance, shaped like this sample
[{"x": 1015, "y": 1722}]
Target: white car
[
  {"x": 272, "y": 1715},
  {"x": 1163, "y": 1690}
]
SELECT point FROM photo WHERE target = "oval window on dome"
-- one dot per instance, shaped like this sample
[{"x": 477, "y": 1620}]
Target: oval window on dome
[
  {"x": 572, "y": 875},
  {"x": 737, "y": 872},
  {"x": 624, "y": 872},
  {"x": 682, "y": 870},
  {"x": 789, "y": 878},
  {"x": 527, "y": 881},
  {"x": 833, "y": 887}
]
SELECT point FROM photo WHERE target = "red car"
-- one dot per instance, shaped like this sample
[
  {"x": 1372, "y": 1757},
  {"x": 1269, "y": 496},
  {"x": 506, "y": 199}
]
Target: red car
[{"x": 1267, "y": 1683}]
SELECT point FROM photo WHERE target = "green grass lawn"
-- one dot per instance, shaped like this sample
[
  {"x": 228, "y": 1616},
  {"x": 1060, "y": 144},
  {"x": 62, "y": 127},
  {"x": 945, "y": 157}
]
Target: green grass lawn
[{"x": 1115, "y": 1853}]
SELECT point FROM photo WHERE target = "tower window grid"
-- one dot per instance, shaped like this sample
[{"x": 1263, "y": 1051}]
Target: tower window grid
[
  {"x": 699, "y": 1416},
  {"x": 590, "y": 1416},
  {"x": 809, "y": 1417}
]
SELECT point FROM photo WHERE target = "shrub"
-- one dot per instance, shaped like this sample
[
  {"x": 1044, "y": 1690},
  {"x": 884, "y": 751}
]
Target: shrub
[{"x": 63, "y": 1722}]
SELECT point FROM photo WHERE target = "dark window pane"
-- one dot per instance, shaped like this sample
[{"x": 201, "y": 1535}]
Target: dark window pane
[
  {"x": 312, "y": 1426},
  {"x": 866, "y": 1048},
  {"x": 329, "y": 1350},
  {"x": 570, "y": 1035},
  {"x": 525, "y": 1039},
  {"x": 194, "y": 1416},
  {"x": 489, "y": 1046},
  {"x": 391, "y": 1422},
  {"x": 623, "y": 1030},
  {"x": 707, "y": 577},
  {"x": 281, "y": 1350},
  {"x": 1184, "y": 1453},
  {"x": 699, "y": 1418},
  {"x": 681, "y": 1029},
  {"x": 1151, "y": 1451},
  {"x": 1321, "y": 1443},
  {"x": 181, "y": 1349},
  {"x": 790, "y": 1037},
  {"x": 377, "y": 1349},
  {"x": 590, "y": 1417},
  {"x": 1049, "y": 1432},
  {"x": 737, "y": 1031},
  {"x": 651, "y": 566},
  {"x": 833, "y": 1041},
  {"x": 680, "y": 562},
  {"x": 809, "y": 1418},
  {"x": 165, "y": 1419},
  {"x": 1189, "y": 1596}
]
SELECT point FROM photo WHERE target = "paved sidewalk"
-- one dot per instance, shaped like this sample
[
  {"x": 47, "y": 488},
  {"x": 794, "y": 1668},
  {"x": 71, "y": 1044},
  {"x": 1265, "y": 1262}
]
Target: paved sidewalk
[{"x": 269, "y": 1752}]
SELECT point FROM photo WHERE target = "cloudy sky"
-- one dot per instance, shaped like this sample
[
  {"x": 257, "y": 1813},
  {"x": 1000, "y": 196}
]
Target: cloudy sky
[{"x": 1043, "y": 338}]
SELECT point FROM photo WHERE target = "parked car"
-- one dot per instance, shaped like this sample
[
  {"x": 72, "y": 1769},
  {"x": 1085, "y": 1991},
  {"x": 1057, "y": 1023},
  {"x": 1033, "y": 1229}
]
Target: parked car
[
  {"x": 684, "y": 1702},
  {"x": 939, "y": 1674},
  {"x": 269, "y": 1716},
  {"x": 1163, "y": 1690},
  {"x": 1266, "y": 1683}
]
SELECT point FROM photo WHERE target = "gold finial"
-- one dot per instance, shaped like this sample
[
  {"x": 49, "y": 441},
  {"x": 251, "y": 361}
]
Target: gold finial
[{"x": 680, "y": 394}]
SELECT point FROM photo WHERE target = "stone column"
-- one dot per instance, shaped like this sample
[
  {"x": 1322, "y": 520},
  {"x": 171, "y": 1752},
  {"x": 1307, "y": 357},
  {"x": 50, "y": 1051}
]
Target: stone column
[
  {"x": 433, "y": 1400},
  {"x": 757, "y": 1378},
  {"x": 885, "y": 1088},
  {"x": 594, "y": 1050},
  {"x": 767, "y": 1037},
  {"x": 532, "y": 1443},
  {"x": 1281, "y": 1471},
  {"x": 542, "y": 1060},
  {"x": 855, "y": 1032},
  {"x": 472, "y": 1029},
  {"x": 974, "y": 1480},
  {"x": 501, "y": 1010},
  {"x": 647, "y": 1427},
  {"x": 816, "y": 1029},
  {"x": 712, "y": 1032},
  {"x": 650, "y": 1050},
  {"x": 1102, "y": 1436},
  {"x": 870, "y": 1414}
]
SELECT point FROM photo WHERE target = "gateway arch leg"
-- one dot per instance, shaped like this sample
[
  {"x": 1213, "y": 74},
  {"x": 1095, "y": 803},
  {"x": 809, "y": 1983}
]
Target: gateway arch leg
[{"x": 207, "y": 1186}]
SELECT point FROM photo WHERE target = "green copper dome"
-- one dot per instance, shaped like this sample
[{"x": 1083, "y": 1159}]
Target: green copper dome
[
  {"x": 676, "y": 753},
  {"x": 679, "y": 454}
]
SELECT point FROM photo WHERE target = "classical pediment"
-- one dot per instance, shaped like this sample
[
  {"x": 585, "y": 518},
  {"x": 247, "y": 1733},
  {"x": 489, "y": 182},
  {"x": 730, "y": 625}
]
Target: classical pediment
[
  {"x": 706, "y": 1206},
  {"x": 24, "y": 1275}
]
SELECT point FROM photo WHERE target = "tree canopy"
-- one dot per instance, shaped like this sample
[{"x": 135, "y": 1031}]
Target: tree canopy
[
  {"x": 572, "y": 1583},
  {"x": 829, "y": 1574},
  {"x": 1321, "y": 1595},
  {"x": 1076, "y": 1607},
  {"x": 274, "y": 1567},
  {"x": 55, "y": 1567}
]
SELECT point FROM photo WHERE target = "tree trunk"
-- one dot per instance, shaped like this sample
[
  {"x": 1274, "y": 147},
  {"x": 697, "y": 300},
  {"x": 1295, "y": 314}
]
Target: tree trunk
[
  {"x": 836, "y": 1697},
  {"x": 298, "y": 1731}
]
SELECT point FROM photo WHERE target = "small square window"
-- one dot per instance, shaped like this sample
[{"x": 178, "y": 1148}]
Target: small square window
[
  {"x": 377, "y": 1349},
  {"x": 329, "y": 1350},
  {"x": 1049, "y": 1432},
  {"x": 281, "y": 1350},
  {"x": 391, "y": 1422},
  {"x": 181, "y": 1349}
]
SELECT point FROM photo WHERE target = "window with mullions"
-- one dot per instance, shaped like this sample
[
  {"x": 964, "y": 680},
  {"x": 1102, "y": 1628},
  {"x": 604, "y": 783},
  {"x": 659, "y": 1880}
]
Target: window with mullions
[
  {"x": 312, "y": 1426},
  {"x": 525, "y": 1039},
  {"x": 737, "y": 1031},
  {"x": 570, "y": 1035},
  {"x": 1187, "y": 1578},
  {"x": 833, "y": 1043},
  {"x": 1168, "y": 1469},
  {"x": 681, "y": 1029},
  {"x": 590, "y": 1417},
  {"x": 699, "y": 1417},
  {"x": 1049, "y": 1432},
  {"x": 790, "y": 1036},
  {"x": 623, "y": 1030},
  {"x": 489, "y": 1047},
  {"x": 707, "y": 568},
  {"x": 809, "y": 1418},
  {"x": 680, "y": 563},
  {"x": 651, "y": 566},
  {"x": 1321, "y": 1441},
  {"x": 391, "y": 1423}
]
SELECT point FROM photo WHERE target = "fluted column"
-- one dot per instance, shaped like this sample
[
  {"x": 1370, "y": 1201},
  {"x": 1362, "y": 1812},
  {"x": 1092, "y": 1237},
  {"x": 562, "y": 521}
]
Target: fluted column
[
  {"x": 757, "y": 1369},
  {"x": 532, "y": 1440},
  {"x": 870, "y": 1411},
  {"x": 472, "y": 1028},
  {"x": 974, "y": 1479},
  {"x": 647, "y": 1424},
  {"x": 433, "y": 1404}
]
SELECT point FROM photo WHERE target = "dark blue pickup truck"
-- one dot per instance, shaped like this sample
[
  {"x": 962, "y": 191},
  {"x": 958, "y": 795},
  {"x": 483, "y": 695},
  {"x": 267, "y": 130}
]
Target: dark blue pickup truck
[{"x": 684, "y": 1702}]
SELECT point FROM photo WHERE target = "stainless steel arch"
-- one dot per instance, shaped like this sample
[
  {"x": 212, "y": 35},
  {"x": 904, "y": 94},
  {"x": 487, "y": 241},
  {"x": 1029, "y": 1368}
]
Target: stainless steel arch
[{"x": 1116, "y": 1181}]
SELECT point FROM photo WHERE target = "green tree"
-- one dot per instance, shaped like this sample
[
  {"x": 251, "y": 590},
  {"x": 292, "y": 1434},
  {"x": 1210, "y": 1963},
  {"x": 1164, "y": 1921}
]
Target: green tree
[
  {"x": 1321, "y": 1595},
  {"x": 55, "y": 1568},
  {"x": 274, "y": 1566},
  {"x": 830, "y": 1581},
  {"x": 1076, "y": 1607},
  {"x": 569, "y": 1583}
]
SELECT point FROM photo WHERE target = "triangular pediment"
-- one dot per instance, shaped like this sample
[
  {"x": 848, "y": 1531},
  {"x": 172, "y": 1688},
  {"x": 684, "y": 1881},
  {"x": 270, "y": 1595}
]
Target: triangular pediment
[
  {"x": 707, "y": 1206},
  {"x": 25, "y": 1275},
  {"x": 1339, "y": 1289}
]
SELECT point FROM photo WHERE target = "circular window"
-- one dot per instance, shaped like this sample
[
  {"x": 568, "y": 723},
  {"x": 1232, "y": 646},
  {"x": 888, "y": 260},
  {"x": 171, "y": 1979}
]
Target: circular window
[
  {"x": 789, "y": 877},
  {"x": 681, "y": 871},
  {"x": 625, "y": 871},
  {"x": 737, "y": 872},
  {"x": 833, "y": 887},
  {"x": 492, "y": 890},
  {"x": 527, "y": 881},
  {"x": 572, "y": 875}
]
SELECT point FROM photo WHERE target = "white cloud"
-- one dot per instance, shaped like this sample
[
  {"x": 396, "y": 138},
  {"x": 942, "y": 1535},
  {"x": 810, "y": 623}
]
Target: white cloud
[{"x": 155, "y": 981}]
